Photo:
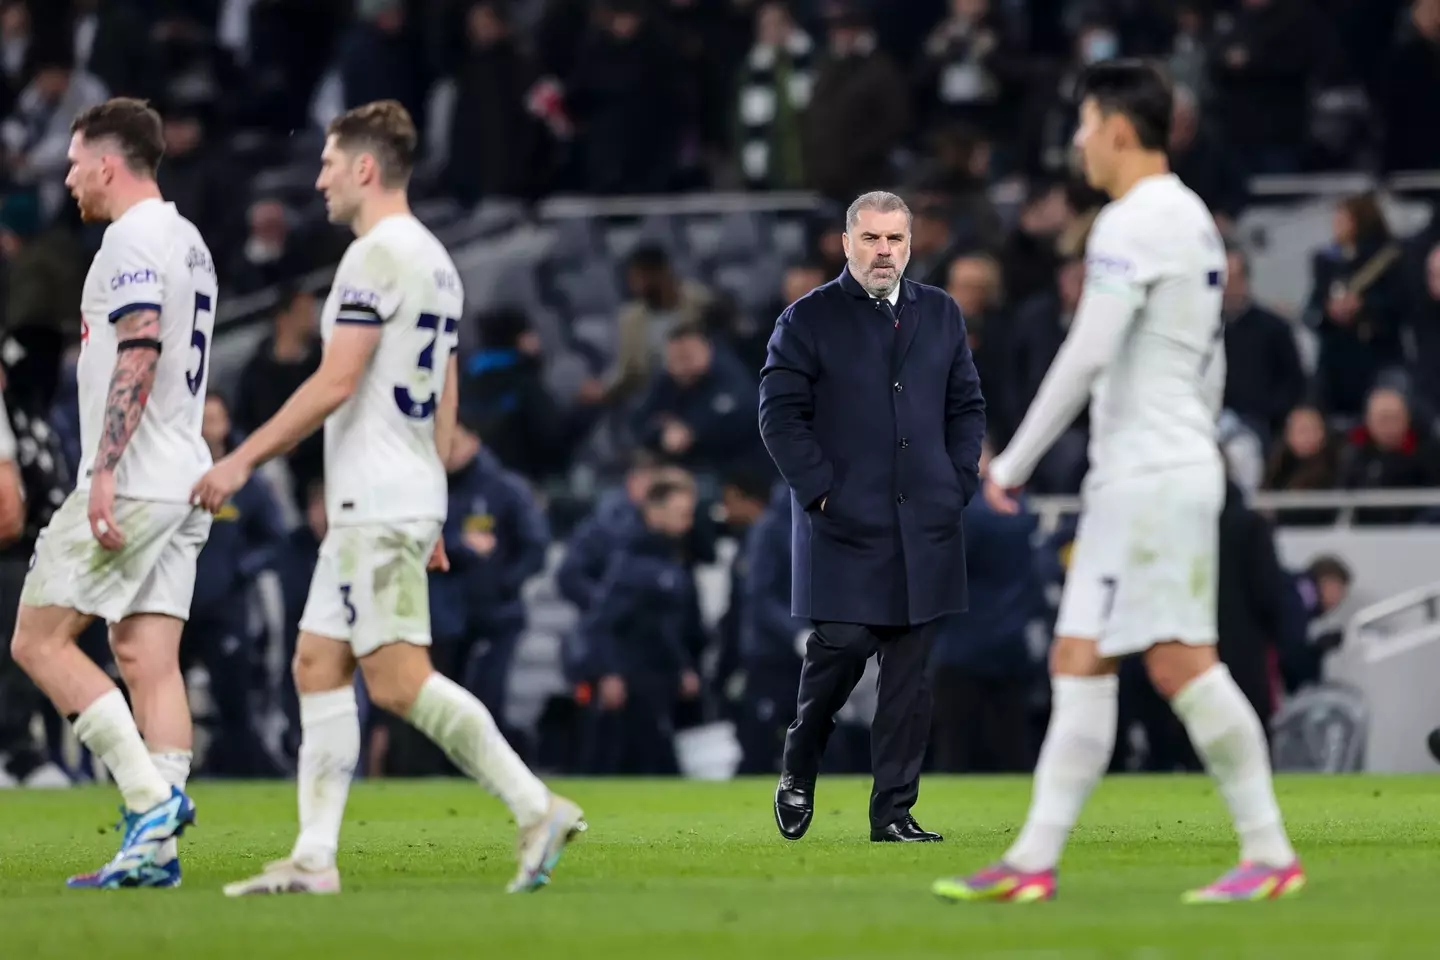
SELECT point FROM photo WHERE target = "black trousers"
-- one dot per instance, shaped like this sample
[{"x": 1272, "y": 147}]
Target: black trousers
[
  {"x": 835, "y": 657},
  {"x": 982, "y": 724},
  {"x": 20, "y": 699}
]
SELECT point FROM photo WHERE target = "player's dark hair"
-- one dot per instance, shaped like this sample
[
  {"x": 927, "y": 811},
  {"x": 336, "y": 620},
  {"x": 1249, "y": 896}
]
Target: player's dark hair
[
  {"x": 384, "y": 130},
  {"x": 132, "y": 125},
  {"x": 1139, "y": 91},
  {"x": 649, "y": 257}
]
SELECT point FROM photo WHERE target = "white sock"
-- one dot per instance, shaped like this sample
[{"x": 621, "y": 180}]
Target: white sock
[
  {"x": 174, "y": 766},
  {"x": 459, "y": 724},
  {"x": 1227, "y": 734},
  {"x": 107, "y": 729},
  {"x": 329, "y": 753},
  {"x": 1075, "y": 755}
]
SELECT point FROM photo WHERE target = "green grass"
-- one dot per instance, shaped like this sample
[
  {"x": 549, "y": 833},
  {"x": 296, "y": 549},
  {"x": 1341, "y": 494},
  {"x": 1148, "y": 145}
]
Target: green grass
[{"x": 686, "y": 870}]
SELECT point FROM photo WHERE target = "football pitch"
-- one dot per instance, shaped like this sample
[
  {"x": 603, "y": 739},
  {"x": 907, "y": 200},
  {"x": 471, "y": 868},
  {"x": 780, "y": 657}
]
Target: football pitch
[{"x": 693, "y": 870}]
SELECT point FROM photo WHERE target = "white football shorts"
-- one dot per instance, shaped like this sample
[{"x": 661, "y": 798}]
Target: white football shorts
[
  {"x": 153, "y": 573},
  {"x": 370, "y": 586},
  {"x": 1145, "y": 562}
]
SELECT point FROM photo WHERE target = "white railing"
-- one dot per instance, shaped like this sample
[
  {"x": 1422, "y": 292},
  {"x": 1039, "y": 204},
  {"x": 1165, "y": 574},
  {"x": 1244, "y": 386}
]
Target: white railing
[
  {"x": 1372, "y": 633},
  {"x": 1343, "y": 502}
]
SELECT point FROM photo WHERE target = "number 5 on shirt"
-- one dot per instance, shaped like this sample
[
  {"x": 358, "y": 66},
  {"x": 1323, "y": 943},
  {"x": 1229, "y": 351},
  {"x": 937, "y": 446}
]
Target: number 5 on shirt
[
  {"x": 424, "y": 409},
  {"x": 198, "y": 342}
]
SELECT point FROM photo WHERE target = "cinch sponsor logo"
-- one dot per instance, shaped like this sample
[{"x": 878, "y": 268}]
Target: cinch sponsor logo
[
  {"x": 355, "y": 295},
  {"x": 126, "y": 277}
]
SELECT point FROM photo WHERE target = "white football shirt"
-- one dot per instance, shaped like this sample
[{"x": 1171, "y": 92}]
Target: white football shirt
[
  {"x": 151, "y": 258},
  {"x": 381, "y": 465},
  {"x": 1147, "y": 343}
]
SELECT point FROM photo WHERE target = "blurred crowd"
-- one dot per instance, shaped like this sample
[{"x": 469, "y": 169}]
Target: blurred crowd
[{"x": 945, "y": 100}]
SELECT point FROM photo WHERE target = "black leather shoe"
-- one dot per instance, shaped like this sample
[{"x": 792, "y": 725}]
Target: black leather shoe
[
  {"x": 794, "y": 806},
  {"x": 904, "y": 830}
]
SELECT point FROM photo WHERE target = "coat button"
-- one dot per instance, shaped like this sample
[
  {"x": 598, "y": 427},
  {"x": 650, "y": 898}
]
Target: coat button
[
  {"x": 901, "y": 499},
  {"x": 899, "y": 388},
  {"x": 904, "y": 442}
]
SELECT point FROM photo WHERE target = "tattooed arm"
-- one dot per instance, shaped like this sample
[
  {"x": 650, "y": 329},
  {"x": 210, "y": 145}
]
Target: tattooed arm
[
  {"x": 130, "y": 384},
  {"x": 138, "y": 353}
]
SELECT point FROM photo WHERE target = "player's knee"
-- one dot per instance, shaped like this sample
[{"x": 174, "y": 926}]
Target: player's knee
[
  {"x": 140, "y": 663},
  {"x": 394, "y": 675},
  {"x": 1077, "y": 657},
  {"x": 34, "y": 641},
  {"x": 1172, "y": 666}
]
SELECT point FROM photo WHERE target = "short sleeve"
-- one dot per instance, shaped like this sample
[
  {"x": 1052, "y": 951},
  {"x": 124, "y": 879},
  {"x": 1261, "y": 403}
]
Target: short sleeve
[
  {"x": 8, "y": 448},
  {"x": 1118, "y": 258},
  {"x": 134, "y": 279},
  {"x": 369, "y": 285}
]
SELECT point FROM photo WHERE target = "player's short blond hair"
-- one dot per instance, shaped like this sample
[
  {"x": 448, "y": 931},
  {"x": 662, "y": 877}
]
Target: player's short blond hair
[{"x": 384, "y": 130}]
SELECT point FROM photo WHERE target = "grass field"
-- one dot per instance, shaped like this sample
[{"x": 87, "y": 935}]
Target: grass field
[{"x": 687, "y": 870}]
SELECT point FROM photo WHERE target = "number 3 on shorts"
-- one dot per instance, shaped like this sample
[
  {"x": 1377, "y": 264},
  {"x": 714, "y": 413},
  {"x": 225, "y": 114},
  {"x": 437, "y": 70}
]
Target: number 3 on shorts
[{"x": 349, "y": 607}]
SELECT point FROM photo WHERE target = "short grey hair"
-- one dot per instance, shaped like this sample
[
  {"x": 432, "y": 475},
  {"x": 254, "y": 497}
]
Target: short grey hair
[{"x": 880, "y": 201}]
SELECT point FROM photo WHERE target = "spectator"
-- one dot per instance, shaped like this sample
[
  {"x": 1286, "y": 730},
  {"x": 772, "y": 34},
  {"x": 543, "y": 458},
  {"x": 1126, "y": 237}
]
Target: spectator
[
  {"x": 295, "y": 565},
  {"x": 969, "y": 69},
  {"x": 1189, "y": 58},
  {"x": 36, "y": 135},
  {"x": 1307, "y": 458},
  {"x": 776, "y": 81},
  {"x": 770, "y": 638},
  {"x": 269, "y": 255},
  {"x": 640, "y": 636},
  {"x": 379, "y": 60},
  {"x": 1357, "y": 304},
  {"x": 1029, "y": 259},
  {"x": 496, "y": 538},
  {"x": 496, "y": 144},
  {"x": 1408, "y": 95},
  {"x": 279, "y": 365},
  {"x": 195, "y": 176},
  {"x": 42, "y": 270},
  {"x": 624, "y": 98},
  {"x": 107, "y": 39},
  {"x": 1387, "y": 452},
  {"x": 1322, "y": 587},
  {"x": 1040, "y": 327},
  {"x": 596, "y": 537},
  {"x": 933, "y": 246},
  {"x": 982, "y": 664},
  {"x": 1263, "y": 376},
  {"x": 1261, "y": 67},
  {"x": 973, "y": 281},
  {"x": 844, "y": 158},
  {"x": 701, "y": 411},
  {"x": 503, "y": 397},
  {"x": 744, "y": 498},
  {"x": 246, "y": 536},
  {"x": 660, "y": 300},
  {"x": 1424, "y": 326},
  {"x": 1200, "y": 159},
  {"x": 16, "y": 36}
]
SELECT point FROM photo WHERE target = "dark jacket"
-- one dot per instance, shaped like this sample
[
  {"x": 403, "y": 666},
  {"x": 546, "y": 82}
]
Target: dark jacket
[
  {"x": 1263, "y": 377},
  {"x": 767, "y": 627},
  {"x": 989, "y": 638},
  {"x": 504, "y": 399},
  {"x": 885, "y": 422},
  {"x": 719, "y": 409},
  {"x": 644, "y": 624},
  {"x": 590, "y": 546},
  {"x": 245, "y": 538},
  {"x": 480, "y": 595}
]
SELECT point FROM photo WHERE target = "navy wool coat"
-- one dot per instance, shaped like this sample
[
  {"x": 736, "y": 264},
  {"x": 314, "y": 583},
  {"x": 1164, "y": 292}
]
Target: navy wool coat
[{"x": 884, "y": 422}]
